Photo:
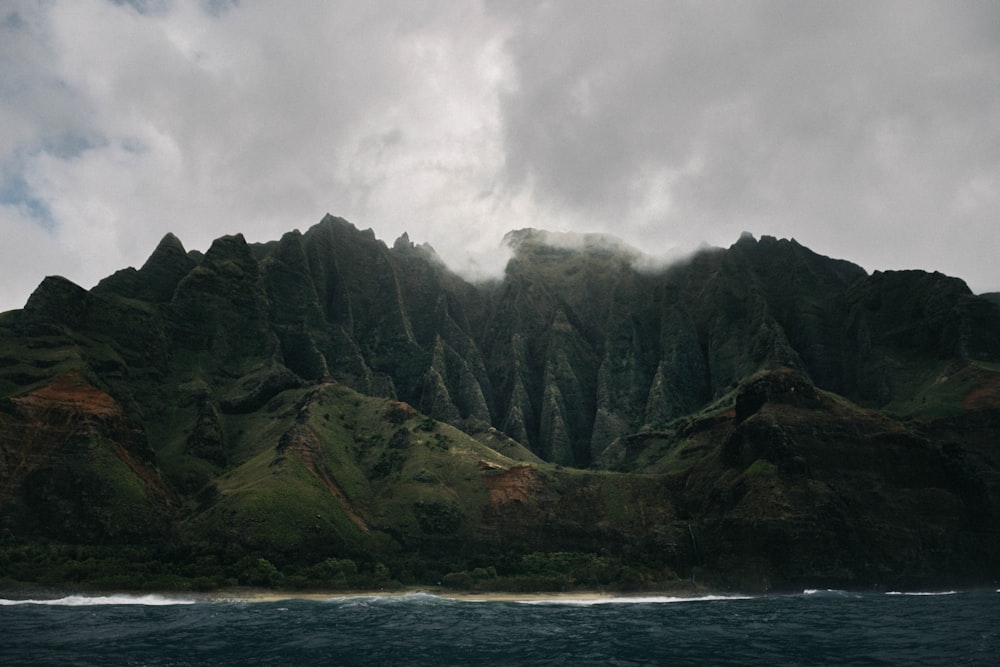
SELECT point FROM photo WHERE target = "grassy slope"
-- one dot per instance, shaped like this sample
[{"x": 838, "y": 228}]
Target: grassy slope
[
  {"x": 932, "y": 389},
  {"x": 371, "y": 474}
]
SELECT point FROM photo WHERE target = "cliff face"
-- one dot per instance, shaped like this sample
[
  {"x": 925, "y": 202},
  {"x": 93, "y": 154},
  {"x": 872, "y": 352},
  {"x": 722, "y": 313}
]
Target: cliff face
[
  {"x": 806, "y": 485},
  {"x": 770, "y": 414},
  {"x": 574, "y": 348}
]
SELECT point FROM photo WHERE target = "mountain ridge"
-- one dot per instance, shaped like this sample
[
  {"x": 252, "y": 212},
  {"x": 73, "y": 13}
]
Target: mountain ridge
[{"x": 430, "y": 420}]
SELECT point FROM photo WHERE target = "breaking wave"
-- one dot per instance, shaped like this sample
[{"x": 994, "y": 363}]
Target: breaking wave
[
  {"x": 87, "y": 601},
  {"x": 654, "y": 599},
  {"x": 829, "y": 593},
  {"x": 424, "y": 629}
]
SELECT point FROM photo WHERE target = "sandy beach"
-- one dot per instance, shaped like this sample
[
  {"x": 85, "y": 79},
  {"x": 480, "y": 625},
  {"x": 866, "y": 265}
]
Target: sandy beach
[{"x": 262, "y": 595}]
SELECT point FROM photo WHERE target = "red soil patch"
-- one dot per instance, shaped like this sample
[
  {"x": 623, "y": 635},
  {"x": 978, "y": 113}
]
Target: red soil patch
[
  {"x": 517, "y": 485},
  {"x": 71, "y": 393},
  {"x": 986, "y": 394}
]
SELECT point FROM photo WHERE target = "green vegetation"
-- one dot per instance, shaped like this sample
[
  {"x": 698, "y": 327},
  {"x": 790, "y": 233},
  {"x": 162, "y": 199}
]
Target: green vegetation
[
  {"x": 761, "y": 468},
  {"x": 559, "y": 571},
  {"x": 930, "y": 391},
  {"x": 145, "y": 568},
  {"x": 329, "y": 412}
]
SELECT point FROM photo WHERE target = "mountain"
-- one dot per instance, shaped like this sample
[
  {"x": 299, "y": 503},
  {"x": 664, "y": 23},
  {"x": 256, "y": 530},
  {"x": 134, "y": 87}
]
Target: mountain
[{"x": 328, "y": 410}]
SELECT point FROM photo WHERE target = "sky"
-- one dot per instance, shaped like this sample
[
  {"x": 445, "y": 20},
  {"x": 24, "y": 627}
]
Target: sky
[{"x": 867, "y": 130}]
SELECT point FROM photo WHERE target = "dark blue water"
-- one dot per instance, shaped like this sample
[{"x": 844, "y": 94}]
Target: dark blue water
[{"x": 814, "y": 628}]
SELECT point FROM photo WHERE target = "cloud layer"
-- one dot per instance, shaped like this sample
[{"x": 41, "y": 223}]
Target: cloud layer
[{"x": 865, "y": 130}]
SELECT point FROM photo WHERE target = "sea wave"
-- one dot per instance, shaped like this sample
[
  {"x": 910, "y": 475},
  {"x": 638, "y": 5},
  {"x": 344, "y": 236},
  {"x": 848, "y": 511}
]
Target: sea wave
[
  {"x": 651, "y": 599},
  {"x": 366, "y": 600},
  {"x": 87, "y": 600},
  {"x": 922, "y": 593},
  {"x": 425, "y": 598},
  {"x": 829, "y": 593},
  {"x": 422, "y": 629}
]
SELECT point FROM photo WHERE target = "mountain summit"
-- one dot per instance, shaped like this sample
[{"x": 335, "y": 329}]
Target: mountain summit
[{"x": 761, "y": 415}]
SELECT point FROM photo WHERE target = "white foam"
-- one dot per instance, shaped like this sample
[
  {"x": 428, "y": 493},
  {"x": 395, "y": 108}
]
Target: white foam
[
  {"x": 921, "y": 592},
  {"x": 87, "y": 601},
  {"x": 829, "y": 593},
  {"x": 653, "y": 599},
  {"x": 395, "y": 598}
]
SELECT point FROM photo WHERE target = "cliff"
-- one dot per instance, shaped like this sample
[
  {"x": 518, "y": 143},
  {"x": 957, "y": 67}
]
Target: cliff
[{"x": 756, "y": 416}]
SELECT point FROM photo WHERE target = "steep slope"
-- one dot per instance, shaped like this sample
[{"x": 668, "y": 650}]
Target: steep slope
[
  {"x": 577, "y": 346},
  {"x": 328, "y": 396},
  {"x": 790, "y": 483}
]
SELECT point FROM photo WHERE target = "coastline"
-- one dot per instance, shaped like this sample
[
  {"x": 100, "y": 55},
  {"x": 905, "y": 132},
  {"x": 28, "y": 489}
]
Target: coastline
[
  {"x": 470, "y": 596},
  {"x": 678, "y": 591},
  {"x": 248, "y": 595},
  {"x": 584, "y": 595}
]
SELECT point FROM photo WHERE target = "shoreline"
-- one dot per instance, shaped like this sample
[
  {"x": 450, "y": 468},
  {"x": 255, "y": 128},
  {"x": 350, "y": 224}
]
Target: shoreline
[
  {"x": 255, "y": 595},
  {"x": 680, "y": 590},
  {"x": 252, "y": 594},
  {"x": 249, "y": 595}
]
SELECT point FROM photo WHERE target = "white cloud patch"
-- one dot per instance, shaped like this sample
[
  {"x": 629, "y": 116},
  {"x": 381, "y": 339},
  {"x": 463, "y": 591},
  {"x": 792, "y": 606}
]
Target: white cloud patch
[
  {"x": 256, "y": 119},
  {"x": 865, "y": 130}
]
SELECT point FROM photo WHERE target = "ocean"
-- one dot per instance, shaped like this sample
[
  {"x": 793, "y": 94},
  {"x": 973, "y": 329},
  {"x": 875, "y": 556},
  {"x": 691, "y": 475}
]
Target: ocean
[{"x": 812, "y": 628}]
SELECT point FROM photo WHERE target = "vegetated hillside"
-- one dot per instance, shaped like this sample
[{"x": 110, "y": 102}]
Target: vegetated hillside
[{"x": 333, "y": 411}]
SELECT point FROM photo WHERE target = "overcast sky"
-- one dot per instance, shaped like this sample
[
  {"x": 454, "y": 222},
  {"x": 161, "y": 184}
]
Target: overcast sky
[{"x": 868, "y": 131}]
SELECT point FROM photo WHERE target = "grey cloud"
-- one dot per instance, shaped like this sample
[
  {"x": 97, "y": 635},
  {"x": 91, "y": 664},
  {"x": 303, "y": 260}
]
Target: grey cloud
[
  {"x": 822, "y": 119},
  {"x": 249, "y": 117},
  {"x": 866, "y": 130}
]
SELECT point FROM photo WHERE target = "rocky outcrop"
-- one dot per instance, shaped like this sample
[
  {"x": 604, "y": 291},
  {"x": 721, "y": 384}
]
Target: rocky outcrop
[{"x": 207, "y": 440}]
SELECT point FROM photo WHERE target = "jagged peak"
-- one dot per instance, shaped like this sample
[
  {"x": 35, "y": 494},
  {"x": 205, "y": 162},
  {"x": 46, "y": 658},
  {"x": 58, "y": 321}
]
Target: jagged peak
[
  {"x": 58, "y": 299},
  {"x": 225, "y": 245},
  {"x": 330, "y": 219},
  {"x": 290, "y": 250},
  {"x": 231, "y": 250},
  {"x": 768, "y": 247},
  {"x": 169, "y": 240},
  {"x": 403, "y": 242},
  {"x": 290, "y": 242},
  {"x": 56, "y": 285},
  {"x": 765, "y": 241},
  {"x": 403, "y": 245},
  {"x": 169, "y": 248},
  {"x": 926, "y": 279},
  {"x": 337, "y": 223}
]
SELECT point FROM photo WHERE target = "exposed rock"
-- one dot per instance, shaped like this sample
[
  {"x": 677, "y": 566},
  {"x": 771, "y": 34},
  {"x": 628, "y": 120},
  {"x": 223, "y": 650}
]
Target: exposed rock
[
  {"x": 786, "y": 386},
  {"x": 207, "y": 440}
]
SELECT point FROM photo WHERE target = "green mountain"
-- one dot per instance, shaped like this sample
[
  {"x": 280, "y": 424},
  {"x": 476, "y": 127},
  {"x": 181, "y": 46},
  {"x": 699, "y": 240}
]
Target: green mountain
[{"x": 325, "y": 410}]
